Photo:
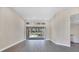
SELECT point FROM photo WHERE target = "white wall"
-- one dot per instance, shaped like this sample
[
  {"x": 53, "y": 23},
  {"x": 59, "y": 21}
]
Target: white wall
[
  {"x": 11, "y": 28},
  {"x": 60, "y": 28},
  {"x": 75, "y": 29}
]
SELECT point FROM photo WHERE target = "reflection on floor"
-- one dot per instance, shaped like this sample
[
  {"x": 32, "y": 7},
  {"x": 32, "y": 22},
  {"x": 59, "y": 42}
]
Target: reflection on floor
[{"x": 41, "y": 46}]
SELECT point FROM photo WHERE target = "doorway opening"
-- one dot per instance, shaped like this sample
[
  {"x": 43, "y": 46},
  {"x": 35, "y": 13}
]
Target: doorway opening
[{"x": 74, "y": 28}]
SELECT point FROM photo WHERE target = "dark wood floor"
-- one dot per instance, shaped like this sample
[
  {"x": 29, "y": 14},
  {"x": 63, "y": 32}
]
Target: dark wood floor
[{"x": 41, "y": 46}]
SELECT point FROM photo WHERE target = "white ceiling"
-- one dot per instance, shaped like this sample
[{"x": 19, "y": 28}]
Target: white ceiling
[{"x": 42, "y": 13}]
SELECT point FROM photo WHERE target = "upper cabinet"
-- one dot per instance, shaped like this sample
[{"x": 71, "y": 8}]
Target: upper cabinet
[
  {"x": 36, "y": 23},
  {"x": 74, "y": 19}
]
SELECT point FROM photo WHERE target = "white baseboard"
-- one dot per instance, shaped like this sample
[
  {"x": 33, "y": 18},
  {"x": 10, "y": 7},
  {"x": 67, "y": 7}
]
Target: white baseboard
[
  {"x": 61, "y": 44},
  {"x": 11, "y": 45}
]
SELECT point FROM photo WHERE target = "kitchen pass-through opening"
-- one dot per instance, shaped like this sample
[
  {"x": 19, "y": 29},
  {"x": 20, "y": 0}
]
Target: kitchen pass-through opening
[{"x": 35, "y": 33}]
